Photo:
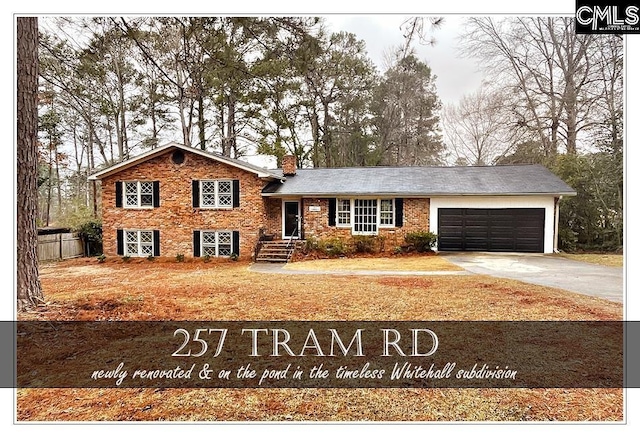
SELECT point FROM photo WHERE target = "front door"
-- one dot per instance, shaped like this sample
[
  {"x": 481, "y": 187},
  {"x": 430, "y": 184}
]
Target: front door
[{"x": 291, "y": 218}]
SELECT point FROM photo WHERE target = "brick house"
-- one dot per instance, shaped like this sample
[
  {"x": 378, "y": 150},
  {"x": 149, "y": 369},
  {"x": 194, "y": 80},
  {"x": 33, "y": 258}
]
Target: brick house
[{"x": 181, "y": 200}]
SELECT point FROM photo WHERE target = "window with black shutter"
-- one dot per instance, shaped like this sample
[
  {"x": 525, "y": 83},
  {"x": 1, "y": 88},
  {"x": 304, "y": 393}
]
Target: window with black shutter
[
  {"x": 332, "y": 212},
  {"x": 399, "y": 212}
]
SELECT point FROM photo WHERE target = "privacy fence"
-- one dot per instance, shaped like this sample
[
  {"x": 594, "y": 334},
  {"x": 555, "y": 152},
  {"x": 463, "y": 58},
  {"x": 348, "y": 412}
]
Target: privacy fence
[{"x": 59, "y": 246}]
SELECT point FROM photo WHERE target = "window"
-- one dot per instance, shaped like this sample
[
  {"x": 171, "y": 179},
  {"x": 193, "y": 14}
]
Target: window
[
  {"x": 386, "y": 213},
  {"x": 138, "y": 243},
  {"x": 138, "y": 194},
  {"x": 343, "y": 212},
  {"x": 365, "y": 216},
  {"x": 216, "y": 194},
  {"x": 217, "y": 243}
]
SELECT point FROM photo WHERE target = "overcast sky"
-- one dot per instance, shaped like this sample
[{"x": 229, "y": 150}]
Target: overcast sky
[{"x": 456, "y": 76}]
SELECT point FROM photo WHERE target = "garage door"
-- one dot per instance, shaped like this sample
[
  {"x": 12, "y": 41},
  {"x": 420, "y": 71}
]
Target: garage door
[{"x": 491, "y": 229}]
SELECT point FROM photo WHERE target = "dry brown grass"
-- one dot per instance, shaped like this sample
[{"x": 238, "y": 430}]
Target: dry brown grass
[
  {"x": 142, "y": 290},
  {"x": 613, "y": 260},
  {"x": 415, "y": 263}
]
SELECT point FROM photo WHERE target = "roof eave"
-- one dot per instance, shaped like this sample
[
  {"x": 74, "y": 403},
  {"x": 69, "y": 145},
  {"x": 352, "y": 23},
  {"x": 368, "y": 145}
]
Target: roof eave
[
  {"x": 162, "y": 149},
  {"x": 416, "y": 195}
]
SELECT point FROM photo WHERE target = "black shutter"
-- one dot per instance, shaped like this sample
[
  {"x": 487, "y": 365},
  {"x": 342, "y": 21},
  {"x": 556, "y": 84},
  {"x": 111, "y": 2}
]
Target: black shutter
[
  {"x": 196, "y": 243},
  {"x": 195, "y": 193},
  {"x": 119, "y": 242},
  {"x": 118, "y": 194},
  {"x": 236, "y": 193},
  {"x": 332, "y": 212},
  {"x": 156, "y": 243},
  {"x": 235, "y": 249},
  {"x": 399, "y": 212},
  {"x": 156, "y": 194}
]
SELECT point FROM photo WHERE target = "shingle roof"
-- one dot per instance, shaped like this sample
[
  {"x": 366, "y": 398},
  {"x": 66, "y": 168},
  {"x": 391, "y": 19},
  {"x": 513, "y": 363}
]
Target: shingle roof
[{"x": 422, "y": 181}]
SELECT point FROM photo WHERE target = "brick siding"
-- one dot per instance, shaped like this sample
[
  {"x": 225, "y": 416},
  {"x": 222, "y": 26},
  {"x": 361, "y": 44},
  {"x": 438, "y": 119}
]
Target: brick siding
[{"x": 175, "y": 218}]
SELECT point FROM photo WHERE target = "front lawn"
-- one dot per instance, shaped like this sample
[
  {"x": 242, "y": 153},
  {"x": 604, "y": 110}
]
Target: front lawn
[
  {"x": 414, "y": 263},
  {"x": 86, "y": 290},
  {"x": 613, "y": 260}
]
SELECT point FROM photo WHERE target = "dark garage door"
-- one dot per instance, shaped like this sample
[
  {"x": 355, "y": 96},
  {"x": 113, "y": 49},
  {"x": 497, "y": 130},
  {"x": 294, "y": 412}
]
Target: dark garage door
[{"x": 491, "y": 229}]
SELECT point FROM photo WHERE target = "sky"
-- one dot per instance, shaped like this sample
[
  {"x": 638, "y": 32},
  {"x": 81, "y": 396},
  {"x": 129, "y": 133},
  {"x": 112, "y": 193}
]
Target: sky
[{"x": 455, "y": 78}]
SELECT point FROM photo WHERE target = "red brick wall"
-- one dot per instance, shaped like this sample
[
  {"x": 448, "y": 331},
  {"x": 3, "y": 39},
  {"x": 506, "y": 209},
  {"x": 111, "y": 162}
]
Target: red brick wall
[
  {"x": 316, "y": 224},
  {"x": 176, "y": 218}
]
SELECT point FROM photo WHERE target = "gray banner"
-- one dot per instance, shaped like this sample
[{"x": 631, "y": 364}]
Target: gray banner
[{"x": 322, "y": 354}]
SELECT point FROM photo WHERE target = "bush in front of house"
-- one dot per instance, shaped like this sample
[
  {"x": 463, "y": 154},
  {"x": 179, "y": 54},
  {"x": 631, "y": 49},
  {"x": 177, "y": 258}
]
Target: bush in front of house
[
  {"x": 421, "y": 241},
  {"x": 334, "y": 247},
  {"x": 367, "y": 244}
]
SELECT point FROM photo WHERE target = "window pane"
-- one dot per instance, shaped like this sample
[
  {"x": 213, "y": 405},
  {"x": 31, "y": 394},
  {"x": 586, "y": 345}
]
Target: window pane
[
  {"x": 209, "y": 251},
  {"x": 146, "y": 188},
  {"x": 208, "y": 238},
  {"x": 132, "y": 200},
  {"x": 208, "y": 187},
  {"x": 132, "y": 237},
  {"x": 208, "y": 200},
  {"x": 131, "y": 188},
  {"x": 224, "y": 200},
  {"x": 146, "y": 236},
  {"x": 224, "y": 187},
  {"x": 146, "y": 200},
  {"x": 224, "y": 250},
  {"x": 224, "y": 237},
  {"x": 147, "y": 249}
]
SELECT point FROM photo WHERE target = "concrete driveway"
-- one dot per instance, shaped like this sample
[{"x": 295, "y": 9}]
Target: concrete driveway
[{"x": 546, "y": 270}]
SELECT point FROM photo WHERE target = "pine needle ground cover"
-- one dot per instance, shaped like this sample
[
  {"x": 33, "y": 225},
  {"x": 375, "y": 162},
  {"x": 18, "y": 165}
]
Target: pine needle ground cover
[{"x": 167, "y": 290}]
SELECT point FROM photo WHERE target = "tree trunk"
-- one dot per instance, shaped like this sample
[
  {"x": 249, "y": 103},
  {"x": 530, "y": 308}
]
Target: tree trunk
[
  {"x": 29, "y": 292},
  {"x": 201, "y": 122}
]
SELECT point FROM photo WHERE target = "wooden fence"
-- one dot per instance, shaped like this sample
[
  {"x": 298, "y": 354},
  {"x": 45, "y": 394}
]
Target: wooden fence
[{"x": 59, "y": 246}]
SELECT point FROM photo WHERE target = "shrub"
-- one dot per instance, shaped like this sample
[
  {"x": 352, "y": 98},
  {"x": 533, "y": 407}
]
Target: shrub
[
  {"x": 334, "y": 247},
  {"x": 206, "y": 258},
  {"x": 421, "y": 241},
  {"x": 368, "y": 244},
  {"x": 180, "y": 258},
  {"x": 90, "y": 232},
  {"x": 233, "y": 257},
  {"x": 310, "y": 245},
  {"x": 126, "y": 258},
  {"x": 150, "y": 257},
  {"x": 101, "y": 258}
]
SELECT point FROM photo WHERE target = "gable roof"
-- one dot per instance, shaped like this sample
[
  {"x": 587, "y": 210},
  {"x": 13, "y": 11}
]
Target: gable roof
[
  {"x": 421, "y": 181},
  {"x": 259, "y": 171}
]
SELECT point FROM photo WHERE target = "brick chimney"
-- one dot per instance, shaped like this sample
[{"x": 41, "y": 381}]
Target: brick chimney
[{"x": 289, "y": 165}]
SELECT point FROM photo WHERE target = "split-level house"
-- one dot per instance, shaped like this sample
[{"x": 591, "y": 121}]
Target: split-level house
[{"x": 180, "y": 200}]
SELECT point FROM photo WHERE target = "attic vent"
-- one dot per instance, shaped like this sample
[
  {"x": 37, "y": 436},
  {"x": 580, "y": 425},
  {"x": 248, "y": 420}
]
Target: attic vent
[{"x": 177, "y": 157}]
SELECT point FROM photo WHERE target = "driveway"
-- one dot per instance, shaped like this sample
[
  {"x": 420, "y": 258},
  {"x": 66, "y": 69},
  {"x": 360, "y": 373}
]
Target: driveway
[{"x": 546, "y": 270}]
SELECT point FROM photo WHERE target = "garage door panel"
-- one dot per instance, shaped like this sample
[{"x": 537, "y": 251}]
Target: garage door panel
[{"x": 507, "y": 229}]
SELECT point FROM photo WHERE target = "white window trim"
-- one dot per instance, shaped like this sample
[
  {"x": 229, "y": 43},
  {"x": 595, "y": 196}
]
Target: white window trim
[
  {"x": 138, "y": 242},
  {"x": 216, "y": 194},
  {"x": 138, "y": 194},
  {"x": 338, "y": 224},
  {"x": 352, "y": 216},
  {"x": 217, "y": 243},
  {"x": 393, "y": 213}
]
